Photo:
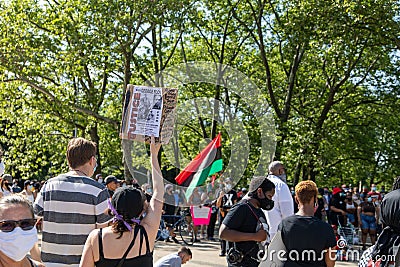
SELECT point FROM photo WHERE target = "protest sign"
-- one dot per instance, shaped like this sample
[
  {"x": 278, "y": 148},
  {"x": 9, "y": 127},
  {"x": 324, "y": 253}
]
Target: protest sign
[
  {"x": 148, "y": 111},
  {"x": 200, "y": 215}
]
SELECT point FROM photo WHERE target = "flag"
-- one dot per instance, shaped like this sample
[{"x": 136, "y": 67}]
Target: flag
[{"x": 205, "y": 164}]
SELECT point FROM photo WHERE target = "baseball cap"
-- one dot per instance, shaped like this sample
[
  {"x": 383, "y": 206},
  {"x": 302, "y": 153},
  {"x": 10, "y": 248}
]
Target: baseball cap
[
  {"x": 256, "y": 182},
  {"x": 110, "y": 179},
  {"x": 336, "y": 190}
]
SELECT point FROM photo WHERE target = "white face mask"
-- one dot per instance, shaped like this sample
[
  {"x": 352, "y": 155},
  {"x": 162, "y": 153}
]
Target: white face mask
[
  {"x": 100, "y": 180},
  {"x": 282, "y": 177},
  {"x": 2, "y": 168},
  {"x": 29, "y": 188},
  {"x": 228, "y": 187},
  {"x": 18, "y": 243}
]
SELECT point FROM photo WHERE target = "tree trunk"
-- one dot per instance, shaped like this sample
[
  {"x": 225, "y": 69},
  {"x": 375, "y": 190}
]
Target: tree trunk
[{"x": 94, "y": 136}]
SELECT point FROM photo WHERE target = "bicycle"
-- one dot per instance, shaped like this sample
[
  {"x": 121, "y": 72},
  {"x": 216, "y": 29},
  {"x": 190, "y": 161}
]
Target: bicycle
[{"x": 180, "y": 224}]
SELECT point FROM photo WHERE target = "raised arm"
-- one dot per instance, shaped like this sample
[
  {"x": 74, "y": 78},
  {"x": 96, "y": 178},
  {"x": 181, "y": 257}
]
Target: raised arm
[{"x": 153, "y": 215}]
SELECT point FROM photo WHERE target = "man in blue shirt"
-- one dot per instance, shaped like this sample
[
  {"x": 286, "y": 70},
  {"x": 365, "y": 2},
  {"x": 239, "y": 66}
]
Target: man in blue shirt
[{"x": 175, "y": 259}]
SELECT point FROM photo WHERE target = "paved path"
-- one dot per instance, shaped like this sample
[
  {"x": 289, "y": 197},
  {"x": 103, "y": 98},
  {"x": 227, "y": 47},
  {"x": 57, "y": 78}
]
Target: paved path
[{"x": 206, "y": 254}]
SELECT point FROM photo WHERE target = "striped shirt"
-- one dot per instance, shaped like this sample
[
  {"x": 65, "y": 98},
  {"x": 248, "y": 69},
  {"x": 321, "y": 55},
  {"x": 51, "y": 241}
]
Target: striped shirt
[{"x": 71, "y": 207}]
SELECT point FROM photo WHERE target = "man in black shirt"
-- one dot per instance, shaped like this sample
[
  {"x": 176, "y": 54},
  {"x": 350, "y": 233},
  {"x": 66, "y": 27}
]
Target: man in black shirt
[
  {"x": 246, "y": 225},
  {"x": 337, "y": 205}
]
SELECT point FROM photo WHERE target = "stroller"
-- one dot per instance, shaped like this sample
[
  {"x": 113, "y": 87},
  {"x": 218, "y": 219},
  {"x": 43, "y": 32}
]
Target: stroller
[{"x": 349, "y": 238}]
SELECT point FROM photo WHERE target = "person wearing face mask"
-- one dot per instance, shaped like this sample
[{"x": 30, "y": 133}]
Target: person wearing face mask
[
  {"x": 28, "y": 191},
  {"x": 18, "y": 234},
  {"x": 374, "y": 193},
  {"x": 5, "y": 186},
  {"x": 337, "y": 207},
  {"x": 72, "y": 205},
  {"x": 303, "y": 231},
  {"x": 226, "y": 199},
  {"x": 129, "y": 240},
  {"x": 283, "y": 198},
  {"x": 245, "y": 225},
  {"x": 99, "y": 178},
  {"x": 148, "y": 191},
  {"x": 385, "y": 252},
  {"x": 368, "y": 217},
  {"x": 351, "y": 209},
  {"x": 15, "y": 188}
]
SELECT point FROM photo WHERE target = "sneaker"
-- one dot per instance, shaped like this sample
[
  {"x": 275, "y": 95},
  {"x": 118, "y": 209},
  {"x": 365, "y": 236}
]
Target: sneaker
[
  {"x": 211, "y": 239},
  {"x": 175, "y": 240},
  {"x": 168, "y": 240},
  {"x": 196, "y": 240},
  {"x": 222, "y": 254}
]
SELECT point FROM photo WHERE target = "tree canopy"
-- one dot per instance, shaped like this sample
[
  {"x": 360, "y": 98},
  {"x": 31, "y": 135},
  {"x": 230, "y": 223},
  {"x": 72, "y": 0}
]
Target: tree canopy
[{"x": 321, "y": 76}]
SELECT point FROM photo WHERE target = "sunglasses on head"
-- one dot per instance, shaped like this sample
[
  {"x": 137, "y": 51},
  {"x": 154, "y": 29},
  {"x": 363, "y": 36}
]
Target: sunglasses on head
[{"x": 25, "y": 224}]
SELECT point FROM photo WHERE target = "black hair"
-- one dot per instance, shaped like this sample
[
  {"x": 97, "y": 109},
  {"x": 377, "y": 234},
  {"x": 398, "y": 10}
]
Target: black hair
[
  {"x": 128, "y": 202},
  {"x": 5, "y": 184},
  {"x": 321, "y": 191},
  {"x": 185, "y": 250}
]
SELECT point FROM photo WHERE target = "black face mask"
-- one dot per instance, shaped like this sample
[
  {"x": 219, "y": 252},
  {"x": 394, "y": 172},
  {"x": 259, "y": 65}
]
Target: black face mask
[{"x": 265, "y": 203}]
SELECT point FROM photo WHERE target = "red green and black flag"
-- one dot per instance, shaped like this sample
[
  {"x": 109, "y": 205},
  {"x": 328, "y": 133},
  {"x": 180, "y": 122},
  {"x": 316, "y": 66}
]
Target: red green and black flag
[{"x": 205, "y": 164}]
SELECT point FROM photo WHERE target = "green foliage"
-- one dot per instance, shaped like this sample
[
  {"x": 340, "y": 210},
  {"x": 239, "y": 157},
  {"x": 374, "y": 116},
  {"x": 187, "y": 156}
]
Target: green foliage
[{"x": 329, "y": 70}]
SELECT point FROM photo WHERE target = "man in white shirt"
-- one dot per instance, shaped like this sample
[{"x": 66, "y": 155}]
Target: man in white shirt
[{"x": 283, "y": 199}]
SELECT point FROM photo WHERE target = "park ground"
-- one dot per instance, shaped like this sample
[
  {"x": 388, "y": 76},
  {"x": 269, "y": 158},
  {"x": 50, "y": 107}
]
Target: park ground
[{"x": 206, "y": 253}]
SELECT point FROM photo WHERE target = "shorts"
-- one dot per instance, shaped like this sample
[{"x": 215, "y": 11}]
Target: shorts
[
  {"x": 351, "y": 217},
  {"x": 368, "y": 222}
]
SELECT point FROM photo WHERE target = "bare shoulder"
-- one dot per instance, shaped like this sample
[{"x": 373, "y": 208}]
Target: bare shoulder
[{"x": 93, "y": 236}]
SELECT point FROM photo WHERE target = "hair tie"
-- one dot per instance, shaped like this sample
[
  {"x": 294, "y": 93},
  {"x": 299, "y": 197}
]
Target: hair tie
[{"x": 118, "y": 217}]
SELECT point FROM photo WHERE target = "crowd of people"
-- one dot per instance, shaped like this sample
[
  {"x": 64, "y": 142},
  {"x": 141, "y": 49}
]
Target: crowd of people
[{"x": 111, "y": 222}]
